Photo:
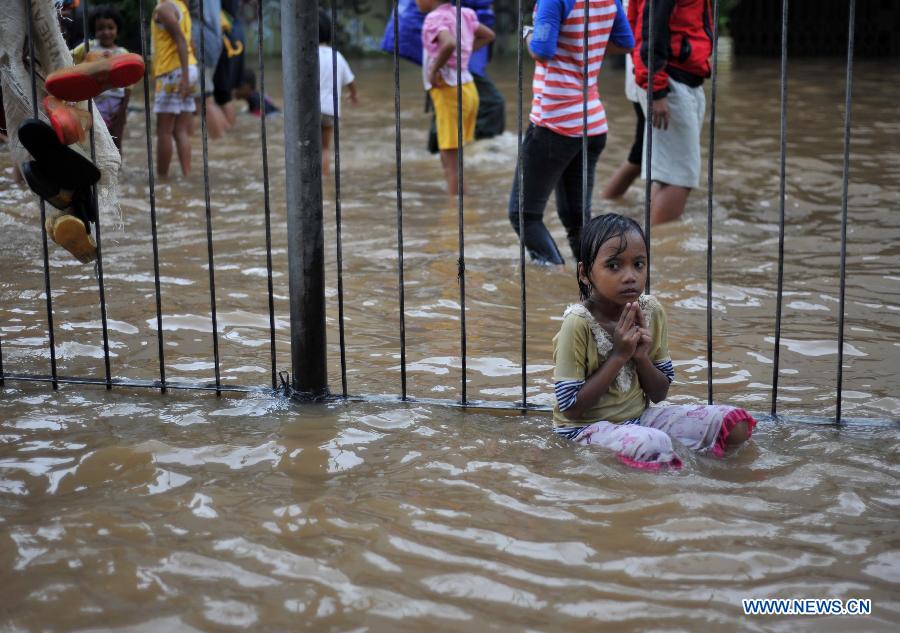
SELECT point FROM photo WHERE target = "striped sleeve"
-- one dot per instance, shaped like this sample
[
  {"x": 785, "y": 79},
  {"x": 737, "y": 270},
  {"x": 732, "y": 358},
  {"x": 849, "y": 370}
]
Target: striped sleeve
[
  {"x": 567, "y": 392},
  {"x": 667, "y": 368},
  {"x": 659, "y": 327},
  {"x": 568, "y": 432}
]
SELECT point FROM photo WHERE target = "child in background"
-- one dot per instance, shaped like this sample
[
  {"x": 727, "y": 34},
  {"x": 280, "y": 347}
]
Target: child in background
[
  {"x": 326, "y": 86},
  {"x": 105, "y": 23},
  {"x": 612, "y": 360},
  {"x": 247, "y": 91},
  {"x": 175, "y": 71},
  {"x": 440, "y": 76}
]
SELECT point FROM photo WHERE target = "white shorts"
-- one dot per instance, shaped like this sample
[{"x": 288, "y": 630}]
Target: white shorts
[
  {"x": 676, "y": 150},
  {"x": 167, "y": 100}
]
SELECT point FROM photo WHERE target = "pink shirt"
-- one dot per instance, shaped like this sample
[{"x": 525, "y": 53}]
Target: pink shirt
[{"x": 444, "y": 19}]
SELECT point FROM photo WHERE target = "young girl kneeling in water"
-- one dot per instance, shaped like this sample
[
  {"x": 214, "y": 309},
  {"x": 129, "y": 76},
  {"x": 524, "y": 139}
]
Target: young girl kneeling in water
[{"x": 612, "y": 360}]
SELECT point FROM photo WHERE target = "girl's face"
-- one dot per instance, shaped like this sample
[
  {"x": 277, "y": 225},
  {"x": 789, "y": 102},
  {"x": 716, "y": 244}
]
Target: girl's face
[
  {"x": 106, "y": 31},
  {"x": 617, "y": 277}
]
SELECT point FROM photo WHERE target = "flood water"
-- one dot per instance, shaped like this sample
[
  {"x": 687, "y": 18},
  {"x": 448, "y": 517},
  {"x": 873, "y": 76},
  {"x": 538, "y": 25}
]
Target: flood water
[{"x": 132, "y": 510}]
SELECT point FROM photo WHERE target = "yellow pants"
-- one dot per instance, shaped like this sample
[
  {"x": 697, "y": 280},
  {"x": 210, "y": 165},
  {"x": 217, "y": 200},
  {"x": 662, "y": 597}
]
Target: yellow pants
[{"x": 444, "y": 100}]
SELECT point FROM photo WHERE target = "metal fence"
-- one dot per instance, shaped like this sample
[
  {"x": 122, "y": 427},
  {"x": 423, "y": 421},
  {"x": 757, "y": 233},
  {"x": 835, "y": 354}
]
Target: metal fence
[{"x": 306, "y": 248}]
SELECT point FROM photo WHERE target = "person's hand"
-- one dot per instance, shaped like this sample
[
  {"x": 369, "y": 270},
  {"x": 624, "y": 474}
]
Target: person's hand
[
  {"x": 660, "y": 113},
  {"x": 434, "y": 77},
  {"x": 354, "y": 100},
  {"x": 642, "y": 350},
  {"x": 184, "y": 86},
  {"x": 627, "y": 334}
]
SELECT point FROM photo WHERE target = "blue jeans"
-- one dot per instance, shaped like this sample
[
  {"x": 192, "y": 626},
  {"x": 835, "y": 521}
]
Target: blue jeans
[{"x": 552, "y": 162}]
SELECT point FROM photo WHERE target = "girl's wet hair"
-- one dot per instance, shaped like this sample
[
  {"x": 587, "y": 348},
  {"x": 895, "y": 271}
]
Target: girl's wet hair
[
  {"x": 597, "y": 232},
  {"x": 105, "y": 12}
]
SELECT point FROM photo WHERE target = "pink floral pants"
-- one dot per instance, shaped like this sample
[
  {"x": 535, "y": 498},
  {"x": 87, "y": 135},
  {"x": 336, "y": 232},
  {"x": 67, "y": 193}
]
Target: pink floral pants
[{"x": 647, "y": 442}]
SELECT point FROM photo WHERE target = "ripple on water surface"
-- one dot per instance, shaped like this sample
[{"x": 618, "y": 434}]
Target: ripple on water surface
[{"x": 404, "y": 517}]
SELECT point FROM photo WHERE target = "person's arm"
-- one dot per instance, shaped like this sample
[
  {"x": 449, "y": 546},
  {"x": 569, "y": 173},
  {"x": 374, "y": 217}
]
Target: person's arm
[
  {"x": 348, "y": 79},
  {"x": 166, "y": 15},
  {"x": 483, "y": 37},
  {"x": 595, "y": 387},
  {"x": 653, "y": 381},
  {"x": 657, "y": 77},
  {"x": 662, "y": 12},
  {"x": 446, "y": 47},
  {"x": 621, "y": 39},
  {"x": 626, "y": 337},
  {"x": 352, "y": 96},
  {"x": 547, "y": 20}
]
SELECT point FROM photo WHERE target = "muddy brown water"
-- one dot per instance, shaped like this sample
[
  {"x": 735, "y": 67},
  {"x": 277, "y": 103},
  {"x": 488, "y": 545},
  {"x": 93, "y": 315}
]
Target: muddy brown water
[{"x": 131, "y": 510}]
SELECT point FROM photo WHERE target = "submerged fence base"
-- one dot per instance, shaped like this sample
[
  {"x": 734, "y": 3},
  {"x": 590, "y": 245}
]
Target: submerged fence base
[{"x": 285, "y": 391}]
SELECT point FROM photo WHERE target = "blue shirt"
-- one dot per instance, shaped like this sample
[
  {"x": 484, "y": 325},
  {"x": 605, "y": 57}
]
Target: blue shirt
[
  {"x": 410, "y": 30},
  {"x": 552, "y": 13}
]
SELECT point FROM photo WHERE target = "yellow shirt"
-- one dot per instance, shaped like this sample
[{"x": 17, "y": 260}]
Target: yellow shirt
[
  {"x": 97, "y": 52},
  {"x": 582, "y": 345},
  {"x": 165, "y": 51}
]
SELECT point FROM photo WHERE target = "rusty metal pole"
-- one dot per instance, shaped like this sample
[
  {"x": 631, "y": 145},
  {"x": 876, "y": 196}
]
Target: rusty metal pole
[{"x": 303, "y": 171}]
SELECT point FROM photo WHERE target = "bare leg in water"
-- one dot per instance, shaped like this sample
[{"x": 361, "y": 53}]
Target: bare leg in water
[
  {"x": 216, "y": 120},
  {"x": 449, "y": 159},
  {"x": 183, "y": 141},
  {"x": 621, "y": 180},
  {"x": 327, "y": 136},
  {"x": 667, "y": 202},
  {"x": 165, "y": 130},
  {"x": 630, "y": 169}
]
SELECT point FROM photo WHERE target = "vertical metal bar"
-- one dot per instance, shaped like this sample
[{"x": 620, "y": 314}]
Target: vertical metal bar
[
  {"x": 520, "y": 202},
  {"x": 151, "y": 181},
  {"x": 337, "y": 194},
  {"x": 648, "y": 133},
  {"x": 43, "y": 205},
  {"x": 781, "y": 196},
  {"x": 848, "y": 101},
  {"x": 710, "y": 184},
  {"x": 303, "y": 188},
  {"x": 209, "y": 241},
  {"x": 585, "y": 209},
  {"x": 460, "y": 187},
  {"x": 94, "y": 203},
  {"x": 266, "y": 205},
  {"x": 400, "y": 282}
]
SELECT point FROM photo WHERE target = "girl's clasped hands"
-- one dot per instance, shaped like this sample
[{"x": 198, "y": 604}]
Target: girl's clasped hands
[{"x": 631, "y": 338}]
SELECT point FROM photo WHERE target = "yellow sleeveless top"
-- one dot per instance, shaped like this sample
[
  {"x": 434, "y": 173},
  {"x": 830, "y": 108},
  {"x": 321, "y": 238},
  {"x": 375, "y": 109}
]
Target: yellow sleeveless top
[{"x": 165, "y": 51}]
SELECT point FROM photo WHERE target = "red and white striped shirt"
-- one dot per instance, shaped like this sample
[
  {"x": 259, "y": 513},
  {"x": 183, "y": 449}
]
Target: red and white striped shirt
[{"x": 558, "y": 83}]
